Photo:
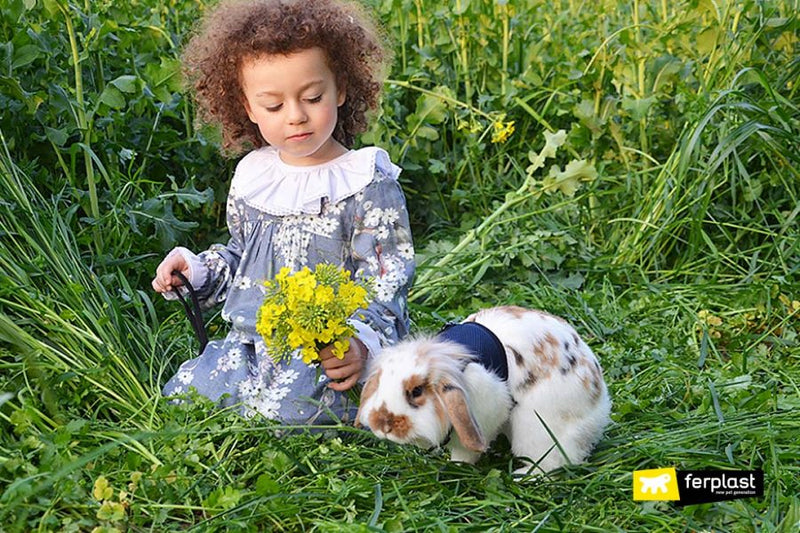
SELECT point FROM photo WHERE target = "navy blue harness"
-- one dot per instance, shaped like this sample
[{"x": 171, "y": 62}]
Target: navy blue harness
[{"x": 481, "y": 342}]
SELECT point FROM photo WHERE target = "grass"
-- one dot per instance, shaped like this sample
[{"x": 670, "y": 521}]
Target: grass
[{"x": 667, "y": 234}]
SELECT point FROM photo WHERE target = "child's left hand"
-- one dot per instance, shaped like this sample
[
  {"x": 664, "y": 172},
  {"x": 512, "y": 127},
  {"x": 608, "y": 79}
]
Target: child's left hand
[{"x": 344, "y": 373}]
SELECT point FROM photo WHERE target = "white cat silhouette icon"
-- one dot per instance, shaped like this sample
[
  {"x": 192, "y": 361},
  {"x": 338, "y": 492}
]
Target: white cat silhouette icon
[{"x": 655, "y": 484}]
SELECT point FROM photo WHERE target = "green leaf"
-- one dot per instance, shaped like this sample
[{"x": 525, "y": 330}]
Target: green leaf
[
  {"x": 56, "y": 136},
  {"x": 13, "y": 9},
  {"x": 102, "y": 490},
  {"x": 461, "y": 7},
  {"x": 707, "y": 40},
  {"x": 164, "y": 74},
  {"x": 223, "y": 498},
  {"x": 428, "y": 132},
  {"x": 436, "y": 166},
  {"x": 638, "y": 107},
  {"x": 111, "y": 511},
  {"x": 266, "y": 486},
  {"x": 568, "y": 181},
  {"x": 158, "y": 212},
  {"x": 54, "y": 8},
  {"x": 12, "y": 87},
  {"x": 25, "y": 55},
  {"x": 190, "y": 197},
  {"x": 127, "y": 84},
  {"x": 112, "y": 97}
]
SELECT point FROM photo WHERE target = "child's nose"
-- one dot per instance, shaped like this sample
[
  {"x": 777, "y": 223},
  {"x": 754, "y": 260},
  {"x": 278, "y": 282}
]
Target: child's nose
[{"x": 297, "y": 115}]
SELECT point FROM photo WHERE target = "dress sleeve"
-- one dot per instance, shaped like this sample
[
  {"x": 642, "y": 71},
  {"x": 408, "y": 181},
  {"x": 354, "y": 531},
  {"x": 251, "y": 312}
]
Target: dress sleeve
[
  {"x": 382, "y": 251},
  {"x": 222, "y": 261}
]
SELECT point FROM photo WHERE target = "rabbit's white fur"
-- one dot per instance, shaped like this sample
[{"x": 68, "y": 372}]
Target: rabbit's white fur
[{"x": 420, "y": 390}]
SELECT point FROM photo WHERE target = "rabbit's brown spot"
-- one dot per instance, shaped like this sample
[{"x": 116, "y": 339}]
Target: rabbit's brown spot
[
  {"x": 530, "y": 380},
  {"x": 415, "y": 388},
  {"x": 515, "y": 310},
  {"x": 591, "y": 377},
  {"x": 517, "y": 356},
  {"x": 597, "y": 381},
  {"x": 366, "y": 393},
  {"x": 547, "y": 352},
  {"x": 387, "y": 422},
  {"x": 571, "y": 362},
  {"x": 439, "y": 410},
  {"x": 371, "y": 386}
]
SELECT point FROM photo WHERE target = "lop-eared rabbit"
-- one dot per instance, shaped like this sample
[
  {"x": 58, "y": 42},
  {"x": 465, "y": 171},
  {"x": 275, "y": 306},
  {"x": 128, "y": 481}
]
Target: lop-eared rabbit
[{"x": 519, "y": 371}]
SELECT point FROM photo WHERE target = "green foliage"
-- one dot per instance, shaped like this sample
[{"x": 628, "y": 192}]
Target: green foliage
[
  {"x": 630, "y": 167},
  {"x": 93, "y": 106}
]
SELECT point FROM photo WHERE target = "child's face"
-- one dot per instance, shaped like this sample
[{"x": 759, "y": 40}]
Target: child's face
[{"x": 294, "y": 101}]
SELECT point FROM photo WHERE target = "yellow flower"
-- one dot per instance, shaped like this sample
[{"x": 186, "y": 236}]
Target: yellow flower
[
  {"x": 708, "y": 318},
  {"x": 340, "y": 347},
  {"x": 502, "y": 131},
  {"x": 306, "y": 311}
]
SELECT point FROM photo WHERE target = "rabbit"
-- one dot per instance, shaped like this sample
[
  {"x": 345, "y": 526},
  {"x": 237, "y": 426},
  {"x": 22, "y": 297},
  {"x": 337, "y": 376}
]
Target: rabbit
[{"x": 420, "y": 390}]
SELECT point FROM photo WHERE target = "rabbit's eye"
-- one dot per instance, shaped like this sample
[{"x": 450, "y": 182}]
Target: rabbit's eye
[{"x": 417, "y": 391}]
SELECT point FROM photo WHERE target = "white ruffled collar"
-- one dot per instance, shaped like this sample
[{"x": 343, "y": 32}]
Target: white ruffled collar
[{"x": 266, "y": 183}]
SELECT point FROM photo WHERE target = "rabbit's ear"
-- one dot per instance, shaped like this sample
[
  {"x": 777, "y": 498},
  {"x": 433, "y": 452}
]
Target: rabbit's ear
[
  {"x": 366, "y": 393},
  {"x": 455, "y": 404}
]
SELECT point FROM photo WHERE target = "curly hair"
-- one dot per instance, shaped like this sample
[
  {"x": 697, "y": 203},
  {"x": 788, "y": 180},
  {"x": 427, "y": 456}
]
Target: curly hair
[{"x": 239, "y": 30}]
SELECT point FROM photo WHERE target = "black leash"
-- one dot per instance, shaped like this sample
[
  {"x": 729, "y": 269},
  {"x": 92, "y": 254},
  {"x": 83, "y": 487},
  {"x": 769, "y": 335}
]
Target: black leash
[{"x": 193, "y": 311}]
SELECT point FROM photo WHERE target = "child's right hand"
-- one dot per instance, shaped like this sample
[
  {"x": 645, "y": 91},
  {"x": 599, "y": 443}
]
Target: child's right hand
[{"x": 164, "y": 280}]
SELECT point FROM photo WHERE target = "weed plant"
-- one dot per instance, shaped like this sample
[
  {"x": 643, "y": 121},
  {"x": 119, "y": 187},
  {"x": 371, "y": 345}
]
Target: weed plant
[{"x": 631, "y": 167}]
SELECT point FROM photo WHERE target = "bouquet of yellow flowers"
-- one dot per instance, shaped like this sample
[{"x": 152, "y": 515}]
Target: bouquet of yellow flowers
[{"x": 308, "y": 310}]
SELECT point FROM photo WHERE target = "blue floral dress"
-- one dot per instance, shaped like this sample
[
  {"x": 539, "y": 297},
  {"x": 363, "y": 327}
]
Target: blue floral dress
[{"x": 350, "y": 212}]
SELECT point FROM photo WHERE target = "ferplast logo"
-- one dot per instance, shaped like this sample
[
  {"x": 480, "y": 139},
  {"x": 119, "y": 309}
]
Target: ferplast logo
[
  {"x": 660, "y": 484},
  {"x": 687, "y": 487}
]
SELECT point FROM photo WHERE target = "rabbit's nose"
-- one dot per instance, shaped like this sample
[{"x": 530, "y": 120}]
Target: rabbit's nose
[{"x": 387, "y": 423}]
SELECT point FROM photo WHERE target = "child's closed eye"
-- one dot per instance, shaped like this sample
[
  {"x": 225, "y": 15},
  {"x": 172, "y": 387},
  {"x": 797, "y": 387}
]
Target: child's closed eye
[{"x": 314, "y": 99}]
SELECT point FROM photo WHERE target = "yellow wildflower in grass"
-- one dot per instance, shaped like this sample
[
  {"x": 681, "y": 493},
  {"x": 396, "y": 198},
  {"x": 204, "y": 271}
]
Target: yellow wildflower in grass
[
  {"x": 502, "y": 131},
  {"x": 710, "y": 322},
  {"x": 307, "y": 311}
]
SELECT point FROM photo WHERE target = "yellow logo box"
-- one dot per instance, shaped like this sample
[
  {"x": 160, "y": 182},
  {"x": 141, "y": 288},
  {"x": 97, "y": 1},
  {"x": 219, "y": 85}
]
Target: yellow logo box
[{"x": 660, "y": 484}]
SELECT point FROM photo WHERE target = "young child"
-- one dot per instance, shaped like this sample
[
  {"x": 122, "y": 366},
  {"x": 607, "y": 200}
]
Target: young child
[{"x": 291, "y": 80}]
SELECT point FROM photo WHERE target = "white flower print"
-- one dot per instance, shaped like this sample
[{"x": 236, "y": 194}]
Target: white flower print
[
  {"x": 373, "y": 265},
  {"x": 244, "y": 282},
  {"x": 384, "y": 289},
  {"x": 326, "y": 226},
  {"x": 268, "y": 408},
  {"x": 383, "y": 233},
  {"x": 390, "y": 215},
  {"x": 278, "y": 393},
  {"x": 335, "y": 209},
  {"x": 387, "y": 285},
  {"x": 185, "y": 376},
  {"x": 235, "y": 359},
  {"x": 406, "y": 251},
  {"x": 373, "y": 217},
  {"x": 246, "y": 389},
  {"x": 287, "y": 377},
  {"x": 292, "y": 243}
]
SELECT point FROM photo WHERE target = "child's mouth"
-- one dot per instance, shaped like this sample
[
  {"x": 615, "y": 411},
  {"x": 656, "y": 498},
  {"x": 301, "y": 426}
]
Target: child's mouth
[{"x": 299, "y": 137}]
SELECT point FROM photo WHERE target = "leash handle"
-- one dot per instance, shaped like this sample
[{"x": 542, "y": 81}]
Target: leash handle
[{"x": 193, "y": 312}]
